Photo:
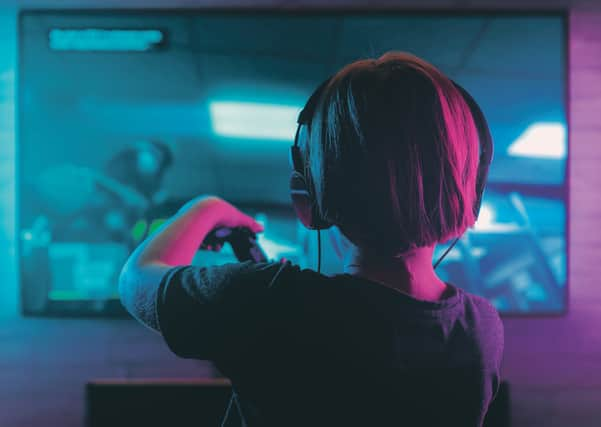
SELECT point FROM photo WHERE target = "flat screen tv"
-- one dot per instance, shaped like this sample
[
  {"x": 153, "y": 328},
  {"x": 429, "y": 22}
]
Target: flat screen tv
[{"x": 125, "y": 115}]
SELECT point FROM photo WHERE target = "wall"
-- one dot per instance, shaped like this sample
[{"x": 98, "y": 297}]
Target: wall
[{"x": 553, "y": 364}]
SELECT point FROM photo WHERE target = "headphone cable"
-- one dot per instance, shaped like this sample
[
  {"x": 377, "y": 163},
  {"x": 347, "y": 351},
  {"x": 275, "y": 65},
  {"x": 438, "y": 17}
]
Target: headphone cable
[
  {"x": 446, "y": 252},
  {"x": 318, "y": 251}
]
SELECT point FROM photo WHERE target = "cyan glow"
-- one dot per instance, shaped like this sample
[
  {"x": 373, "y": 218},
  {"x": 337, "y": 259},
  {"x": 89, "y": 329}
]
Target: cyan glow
[
  {"x": 486, "y": 215},
  {"x": 94, "y": 39},
  {"x": 274, "y": 249},
  {"x": 541, "y": 140},
  {"x": 486, "y": 222},
  {"x": 253, "y": 120}
]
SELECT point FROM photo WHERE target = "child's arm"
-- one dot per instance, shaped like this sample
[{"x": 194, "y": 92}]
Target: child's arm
[{"x": 174, "y": 243}]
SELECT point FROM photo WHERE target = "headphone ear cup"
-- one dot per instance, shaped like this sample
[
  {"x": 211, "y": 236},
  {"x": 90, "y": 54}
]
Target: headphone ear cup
[
  {"x": 301, "y": 199},
  {"x": 304, "y": 204},
  {"x": 486, "y": 145}
]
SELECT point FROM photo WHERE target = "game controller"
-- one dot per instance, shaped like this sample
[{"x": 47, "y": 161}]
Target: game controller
[{"x": 242, "y": 240}]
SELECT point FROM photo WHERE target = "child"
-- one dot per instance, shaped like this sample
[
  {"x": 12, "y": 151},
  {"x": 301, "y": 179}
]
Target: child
[{"x": 389, "y": 156}]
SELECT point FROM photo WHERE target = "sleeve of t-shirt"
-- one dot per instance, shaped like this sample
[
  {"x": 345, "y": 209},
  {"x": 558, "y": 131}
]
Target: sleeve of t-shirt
[
  {"x": 492, "y": 341},
  {"x": 211, "y": 312}
]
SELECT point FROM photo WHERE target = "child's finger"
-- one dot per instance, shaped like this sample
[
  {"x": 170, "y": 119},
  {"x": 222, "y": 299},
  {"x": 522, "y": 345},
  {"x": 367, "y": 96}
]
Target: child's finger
[{"x": 253, "y": 224}]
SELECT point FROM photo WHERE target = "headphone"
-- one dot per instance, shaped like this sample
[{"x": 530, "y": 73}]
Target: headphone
[{"x": 302, "y": 190}]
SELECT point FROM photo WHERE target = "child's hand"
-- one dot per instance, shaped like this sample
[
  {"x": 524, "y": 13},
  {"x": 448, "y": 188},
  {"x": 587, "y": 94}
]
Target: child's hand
[{"x": 224, "y": 214}]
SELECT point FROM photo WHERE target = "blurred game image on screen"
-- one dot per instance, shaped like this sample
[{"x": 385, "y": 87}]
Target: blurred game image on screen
[{"x": 125, "y": 116}]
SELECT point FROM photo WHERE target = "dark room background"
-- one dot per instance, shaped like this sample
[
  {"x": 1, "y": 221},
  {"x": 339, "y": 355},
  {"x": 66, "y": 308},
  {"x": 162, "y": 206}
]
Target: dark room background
[{"x": 553, "y": 362}]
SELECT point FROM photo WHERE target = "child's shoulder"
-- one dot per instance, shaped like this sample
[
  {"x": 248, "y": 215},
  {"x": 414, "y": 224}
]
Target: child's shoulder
[
  {"x": 481, "y": 304},
  {"x": 485, "y": 321}
]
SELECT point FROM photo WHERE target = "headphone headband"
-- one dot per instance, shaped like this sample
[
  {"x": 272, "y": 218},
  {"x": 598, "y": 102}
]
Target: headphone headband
[
  {"x": 306, "y": 114},
  {"x": 486, "y": 145}
]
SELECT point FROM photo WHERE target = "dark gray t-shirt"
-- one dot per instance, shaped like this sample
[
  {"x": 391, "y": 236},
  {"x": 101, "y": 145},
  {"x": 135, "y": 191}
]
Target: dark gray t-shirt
[{"x": 304, "y": 349}]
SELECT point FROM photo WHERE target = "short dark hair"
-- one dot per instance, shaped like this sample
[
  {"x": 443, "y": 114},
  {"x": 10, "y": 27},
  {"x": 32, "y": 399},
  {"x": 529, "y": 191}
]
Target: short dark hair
[{"x": 393, "y": 154}]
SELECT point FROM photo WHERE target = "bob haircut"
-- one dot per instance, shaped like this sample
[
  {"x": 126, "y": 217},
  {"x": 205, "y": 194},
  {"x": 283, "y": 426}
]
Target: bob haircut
[{"x": 392, "y": 153}]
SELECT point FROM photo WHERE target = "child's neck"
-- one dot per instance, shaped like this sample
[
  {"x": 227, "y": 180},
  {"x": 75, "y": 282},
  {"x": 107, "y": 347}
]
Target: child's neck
[{"x": 411, "y": 274}]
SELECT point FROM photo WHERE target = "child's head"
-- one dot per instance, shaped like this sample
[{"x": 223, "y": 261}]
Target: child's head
[{"x": 393, "y": 155}]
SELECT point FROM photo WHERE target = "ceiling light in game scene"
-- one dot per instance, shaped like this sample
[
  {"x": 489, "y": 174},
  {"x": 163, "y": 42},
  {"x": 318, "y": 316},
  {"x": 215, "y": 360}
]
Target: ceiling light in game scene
[
  {"x": 541, "y": 141},
  {"x": 108, "y": 40},
  {"x": 487, "y": 222},
  {"x": 254, "y": 120}
]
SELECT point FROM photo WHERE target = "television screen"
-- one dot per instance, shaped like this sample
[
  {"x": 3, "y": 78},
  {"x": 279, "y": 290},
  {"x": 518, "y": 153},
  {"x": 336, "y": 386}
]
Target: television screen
[{"x": 125, "y": 115}]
